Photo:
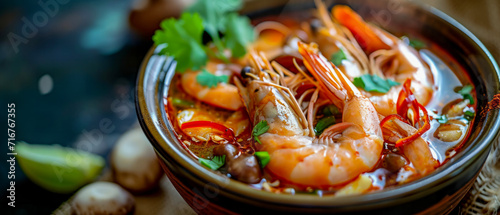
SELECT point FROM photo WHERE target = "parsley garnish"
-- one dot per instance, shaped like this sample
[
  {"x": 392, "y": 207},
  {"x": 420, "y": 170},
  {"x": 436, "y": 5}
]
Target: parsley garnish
[
  {"x": 323, "y": 124},
  {"x": 207, "y": 79},
  {"x": 374, "y": 83},
  {"x": 442, "y": 119},
  {"x": 215, "y": 163},
  {"x": 465, "y": 92},
  {"x": 183, "y": 39},
  {"x": 338, "y": 57},
  {"x": 469, "y": 115},
  {"x": 260, "y": 129},
  {"x": 263, "y": 157}
]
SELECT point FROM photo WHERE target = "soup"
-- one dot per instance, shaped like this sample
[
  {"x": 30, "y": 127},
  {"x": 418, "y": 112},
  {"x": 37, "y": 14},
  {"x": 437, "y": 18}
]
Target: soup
[{"x": 328, "y": 105}]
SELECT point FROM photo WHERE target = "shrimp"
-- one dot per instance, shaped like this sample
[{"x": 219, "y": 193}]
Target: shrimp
[
  {"x": 376, "y": 52},
  {"x": 224, "y": 95},
  {"x": 340, "y": 154}
]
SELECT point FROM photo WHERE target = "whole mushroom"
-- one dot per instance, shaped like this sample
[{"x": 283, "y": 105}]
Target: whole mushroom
[
  {"x": 134, "y": 163},
  {"x": 103, "y": 198}
]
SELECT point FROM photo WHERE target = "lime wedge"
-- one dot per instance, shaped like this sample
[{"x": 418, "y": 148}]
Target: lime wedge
[{"x": 56, "y": 168}]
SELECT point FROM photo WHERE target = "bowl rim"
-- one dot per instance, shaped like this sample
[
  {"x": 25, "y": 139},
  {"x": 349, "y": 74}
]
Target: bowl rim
[{"x": 236, "y": 189}]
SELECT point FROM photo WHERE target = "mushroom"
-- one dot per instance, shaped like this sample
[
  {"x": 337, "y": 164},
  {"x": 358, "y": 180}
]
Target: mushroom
[
  {"x": 134, "y": 163},
  {"x": 103, "y": 198}
]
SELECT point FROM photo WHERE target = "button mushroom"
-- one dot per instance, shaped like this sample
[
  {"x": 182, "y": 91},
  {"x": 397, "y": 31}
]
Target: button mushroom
[
  {"x": 103, "y": 198},
  {"x": 245, "y": 168},
  {"x": 134, "y": 163}
]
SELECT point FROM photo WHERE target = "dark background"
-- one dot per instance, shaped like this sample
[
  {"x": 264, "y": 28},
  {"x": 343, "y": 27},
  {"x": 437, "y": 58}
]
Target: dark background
[{"x": 92, "y": 57}]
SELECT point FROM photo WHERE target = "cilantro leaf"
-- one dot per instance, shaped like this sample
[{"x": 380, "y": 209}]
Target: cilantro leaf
[
  {"x": 374, "y": 83},
  {"x": 465, "y": 91},
  {"x": 215, "y": 163},
  {"x": 338, "y": 57},
  {"x": 323, "y": 123},
  {"x": 207, "y": 79},
  {"x": 469, "y": 115},
  {"x": 239, "y": 33},
  {"x": 263, "y": 157},
  {"x": 260, "y": 129},
  {"x": 183, "y": 41}
]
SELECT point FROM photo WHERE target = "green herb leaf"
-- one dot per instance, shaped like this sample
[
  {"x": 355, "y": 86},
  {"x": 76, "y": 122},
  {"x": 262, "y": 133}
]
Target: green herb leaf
[
  {"x": 182, "y": 103},
  {"x": 263, "y": 157},
  {"x": 56, "y": 168},
  {"x": 330, "y": 110},
  {"x": 215, "y": 163},
  {"x": 218, "y": 16},
  {"x": 239, "y": 33},
  {"x": 442, "y": 119},
  {"x": 338, "y": 57},
  {"x": 417, "y": 44},
  {"x": 323, "y": 124},
  {"x": 469, "y": 115},
  {"x": 260, "y": 129},
  {"x": 465, "y": 91},
  {"x": 183, "y": 39},
  {"x": 207, "y": 79},
  {"x": 374, "y": 83}
]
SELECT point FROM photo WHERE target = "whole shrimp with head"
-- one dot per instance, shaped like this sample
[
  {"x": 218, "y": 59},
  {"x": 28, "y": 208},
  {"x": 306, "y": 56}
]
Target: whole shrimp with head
[
  {"x": 376, "y": 52},
  {"x": 341, "y": 153}
]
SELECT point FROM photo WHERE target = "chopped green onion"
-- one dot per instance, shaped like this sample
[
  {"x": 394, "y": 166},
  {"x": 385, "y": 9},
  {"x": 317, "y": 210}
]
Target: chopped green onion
[
  {"x": 469, "y": 115},
  {"x": 465, "y": 91},
  {"x": 338, "y": 57},
  {"x": 215, "y": 163},
  {"x": 374, "y": 83},
  {"x": 442, "y": 119},
  {"x": 323, "y": 124},
  {"x": 260, "y": 129},
  {"x": 182, "y": 103},
  {"x": 263, "y": 157},
  {"x": 331, "y": 110},
  {"x": 417, "y": 44}
]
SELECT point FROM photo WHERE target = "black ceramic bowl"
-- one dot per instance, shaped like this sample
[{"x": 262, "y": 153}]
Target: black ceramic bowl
[{"x": 438, "y": 193}]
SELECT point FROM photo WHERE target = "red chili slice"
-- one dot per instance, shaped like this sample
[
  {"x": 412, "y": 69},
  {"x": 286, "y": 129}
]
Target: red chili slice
[
  {"x": 226, "y": 132},
  {"x": 406, "y": 101}
]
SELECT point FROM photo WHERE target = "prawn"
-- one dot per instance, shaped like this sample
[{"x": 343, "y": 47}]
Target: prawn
[
  {"x": 224, "y": 95},
  {"x": 376, "y": 52},
  {"x": 341, "y": 153}
]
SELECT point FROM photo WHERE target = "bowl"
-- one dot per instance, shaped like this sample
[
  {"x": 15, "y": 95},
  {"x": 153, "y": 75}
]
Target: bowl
[{"x": 209, "y": 192}]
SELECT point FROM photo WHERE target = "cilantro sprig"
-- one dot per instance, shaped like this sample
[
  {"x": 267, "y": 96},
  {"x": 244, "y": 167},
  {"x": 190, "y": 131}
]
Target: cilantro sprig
[
  {"x": 374, "y": 83},
  {"x": 259, "y": 129},
  {"x": 183, "y": 38},
  {"x": 207, "y": 79},
  {"x": 215, "y": 163},
  {"x": 183, "y": 41}
]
